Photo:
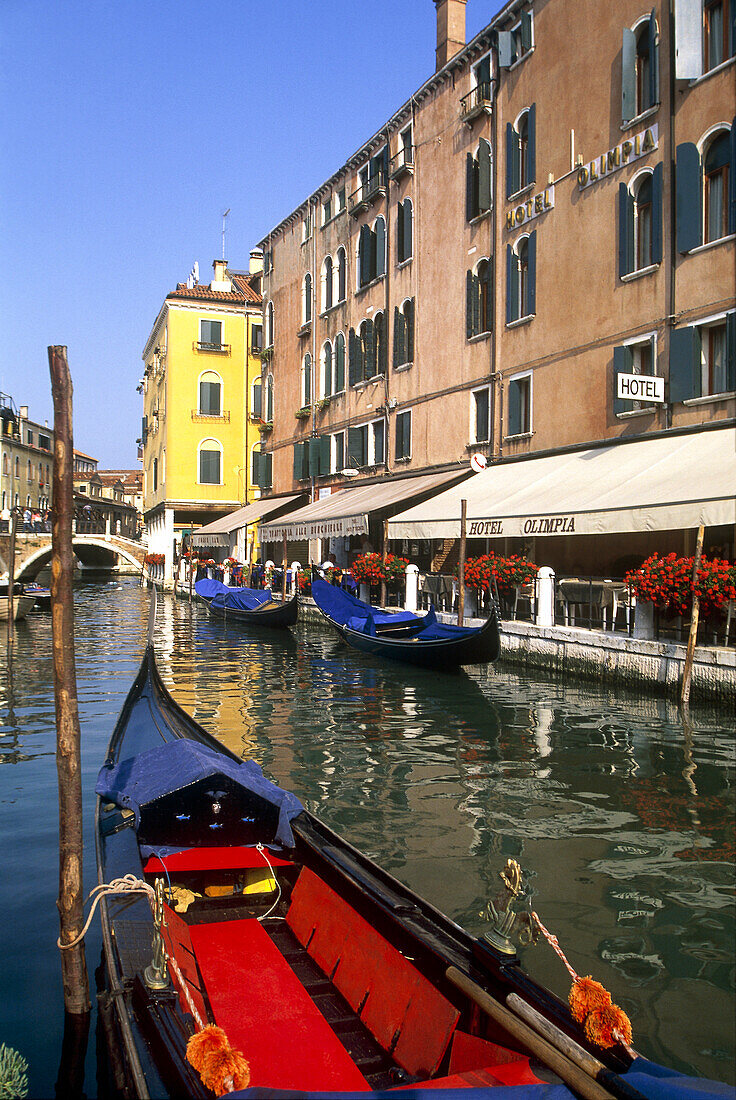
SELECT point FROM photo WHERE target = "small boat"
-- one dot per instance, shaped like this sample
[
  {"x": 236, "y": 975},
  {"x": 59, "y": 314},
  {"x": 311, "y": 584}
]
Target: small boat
[
  {"x": 22, "y": 603},
  {"x": 254, "y": 606},
  {"x": 252, "y": 948},
  {"x": 41, "y": 595},
  {"x": 402, "y": 636}
]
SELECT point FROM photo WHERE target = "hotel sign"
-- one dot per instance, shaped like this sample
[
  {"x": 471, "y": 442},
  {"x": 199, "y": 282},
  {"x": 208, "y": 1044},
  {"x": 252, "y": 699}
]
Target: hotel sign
[
  {"x": 641, "y": 387},
  {"x": 531, "y": 208},
  {"x": 630, "y": 150},
  {"x": 533, "y": 525}
]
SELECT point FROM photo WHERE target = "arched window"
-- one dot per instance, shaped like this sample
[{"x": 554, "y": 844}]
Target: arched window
[
  {"x": 716, "y": 186},
  {"x": 640, "y": 221},
  {"x": 339, "y": 360},
  {"x": 29, "y": 471},
  {"x": 326, "y": 371},
  {"x": 210, "y": 394},
  {"x": 521, "y": 152},
  {"x": 342, "y": 274},
  {"x": 404, "y": 224},
  {"x": 379, "y": 337},
  {"x": 479, "y": 181},
  {"x": 210, "y": 462},
  {"x": 645, "y": 68},
  {"x": 479, "y": 299},
  {"x": 154, "y": 474},
  {"x": 269, "y": 399},
  {"x": 521, "y": 278},
  {"x": 269, "y": 325},
  {"x": 327, "y": 283},
  {"x": 404, "y": 333},
  {"x": 643, "y": 222},
  {"x": 307, "y": 299},
  {"x": 371, "y": 252},
  {"x": 307, "y": 380}
]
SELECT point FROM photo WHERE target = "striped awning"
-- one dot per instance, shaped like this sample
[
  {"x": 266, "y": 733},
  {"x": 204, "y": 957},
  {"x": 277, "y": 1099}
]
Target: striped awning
[{"x": 219, "y": 531}]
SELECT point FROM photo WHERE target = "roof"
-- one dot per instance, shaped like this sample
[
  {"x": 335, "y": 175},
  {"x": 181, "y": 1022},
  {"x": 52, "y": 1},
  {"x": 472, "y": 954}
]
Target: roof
[
  {"x": 242, "y": 282},
  {"x": 668, "y": 482}
]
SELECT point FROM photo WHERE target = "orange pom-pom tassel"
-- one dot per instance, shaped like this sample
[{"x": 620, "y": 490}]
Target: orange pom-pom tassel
[
  {"x": 587, "y": 996},
  {"x": 226, "y": 1071},
  {"x": 608, "y": 1026},
  {"x": 205, "y": 1043}
]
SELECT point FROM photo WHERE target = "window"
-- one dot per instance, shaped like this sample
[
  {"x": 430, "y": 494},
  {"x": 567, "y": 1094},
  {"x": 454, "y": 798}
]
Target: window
[
  {"x": 256, "y": 338},
  {"x": 307, "y": 380},
  {"x": 706, "y": 190},
  {"x": 367, "y": 350},
  {"x": 521, "y": 152},
  {"x": 403, "y": 159},
  {"x": 640, "y": 222},
  {"x": 269, "y": 325},
  {"x": 154, "y": 476},
  {"x": 17, "y": 466},
  {"x": 703, "y": 359},
  {"x": 366, "y": 444},
  {"x": 327, "y": 210},
  {"x": 371, "y": 252},
  {"x": 481, "y": 406},
  {"x": 520, "y": 405},
  {"x": 404, "y": 216},
  {"x": 342, "y": 274},
  {"x": 306, "y": 228},
  {"x": 516, "y": 43},
  {"x": 716, "y": 45},
  {"x": 256, "y": 399},
  {"x": 210, "y": 391},
  {"x": 6, "y": 469},
  {"x": 521, "y": 278},
  {"x": 338, "y": 451},
  {"x": 268, "y": 261},
  {"x": 312, "y": 457},
  {"x": 44, "y": 442},
  {"x": 326, "y": 369},
  {"x": 403, "y": 434},
  {"x": 639, "y": 69},
  {"x": 339, "y": 363},
  {"x": 269, "y": 399},
  {"x": 262, "y": 468},
  {"x": 29, "y": 471},
  {"x": 209, "y": 462},
  {"x": 210, "y": 335},
  {"x": 327, "y": 283},
  {"x": 404, "y": 333},
  {"x": 479, "y": 299},
  {"x": 478, "y": 182},
  {"x": 29, "y": 437},
  {"x": 340, "y": 200},
  {"x": 635, "y": 358},
  {"x": 307, "y": 299}
]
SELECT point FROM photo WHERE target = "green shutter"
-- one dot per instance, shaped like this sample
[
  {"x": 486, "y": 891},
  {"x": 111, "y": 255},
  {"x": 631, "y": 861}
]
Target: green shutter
[
  {"x": 657, "y": 189},
  {"x": 379, "y": 436},
  {"x": 396, "y": 360},
  {"x": 512, "y": 285},
  {"x": 628, "y": 75},
  {"x": 380, "y": 246},
  {"x": 625, "y": 231},
  {"x": 531, "y": 144},
  {"x": 364, "y": 251},
  {"x": 469, "y": 167},
  {"x": 355, "y": 447},
  {"x": 532, "y": 273},
  {"x": 408, "y": 229},
  {"x": 314, "y": 451},
  {"x": 731, "y": 352},
  {"x": 400, "y": 232},
  {"x": 488, "y": 319},
  {"x": 688, "y": 197},
  {"x": 623, "y": 363},
  {"x": 339, "y": 363},
  {"x": 484, "y": 176},
  {"x": 369, "y": 351},
  {"x": 653, "y": 60},
  {"x": 526, "y": 31},
  {"x": 324, "y": 454},
  {"x": 268, "y": 478},
  {"x": 505, "y": 47},
  {"x": 301, "y": 461},
  {"x": 353, "y": 348},
  {"x": 512, "y": 160},
  {"x": 469, "y": 291},
  {"x": 685, "y": 364},
  {"x": 257, "y": 409},
  {"x": 258, "y": 469},
  {"x": 409, "y": 322},
  {"x": 732, "y": 163}
]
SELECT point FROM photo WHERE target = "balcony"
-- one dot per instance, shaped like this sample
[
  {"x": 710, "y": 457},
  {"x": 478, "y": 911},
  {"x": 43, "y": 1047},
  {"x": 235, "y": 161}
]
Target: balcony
[
  {"x": 367, "y": 193},
  {"x": 223, "y": 417},
  {"x": 305, "y": 329},
  {"x": 402, "y": 163},
  {"x": 478, "y": 101},
  {"x": 218, "y": 349}
]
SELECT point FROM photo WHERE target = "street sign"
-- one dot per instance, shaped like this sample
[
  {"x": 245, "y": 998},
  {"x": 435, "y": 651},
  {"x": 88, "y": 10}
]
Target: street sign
[
  {"x": 641, "y": 387},
  {"x": 478, "y": 463}
]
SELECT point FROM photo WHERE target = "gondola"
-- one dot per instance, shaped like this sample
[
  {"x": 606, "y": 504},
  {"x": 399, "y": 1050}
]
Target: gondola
[
  {"x": 41, "y": 595},
  {"x": 23, "y": 602},
  {"x": 251, "y": 951},
  {"x": 253, "y": 606},
  {"x": 402, "y": 636}
]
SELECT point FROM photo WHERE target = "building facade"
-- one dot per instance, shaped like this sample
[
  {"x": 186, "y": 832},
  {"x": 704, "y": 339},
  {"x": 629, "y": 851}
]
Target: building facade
[
  {"x": 198, "y": 435},
  {"x": 27, "y": 460},
  {"x": 537, "y": 251}
]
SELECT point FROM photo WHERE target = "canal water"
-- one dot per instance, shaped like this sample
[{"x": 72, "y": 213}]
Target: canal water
[{"x": 622, "y": 821}]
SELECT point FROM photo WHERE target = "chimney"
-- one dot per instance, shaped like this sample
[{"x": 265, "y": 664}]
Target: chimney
[
  {"x": 23, "y": 412},
  {"x": 256, "y": 261},
  {"x": 220, "y": 280},
  {"x": 450, "y": 29}
]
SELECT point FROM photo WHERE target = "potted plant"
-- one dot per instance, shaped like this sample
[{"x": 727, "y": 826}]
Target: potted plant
[
  {"x": 303, "y": 413},
  {"x": 665, "y": 584}
]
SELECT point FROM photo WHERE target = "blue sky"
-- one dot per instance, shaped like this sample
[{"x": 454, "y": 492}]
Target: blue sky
[{"x": 129, "y": 128}]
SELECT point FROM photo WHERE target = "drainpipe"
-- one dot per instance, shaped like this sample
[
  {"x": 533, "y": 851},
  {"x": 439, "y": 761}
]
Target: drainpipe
[
  {"x": 313, "y": 311},
  {"x": 494, "y": 259},
  {"x": 672, "y": 236},
  {"x": 386, "y": 304}
]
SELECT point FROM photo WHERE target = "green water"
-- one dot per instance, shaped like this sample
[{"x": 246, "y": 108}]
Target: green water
[{"x": 622, "y": 822}]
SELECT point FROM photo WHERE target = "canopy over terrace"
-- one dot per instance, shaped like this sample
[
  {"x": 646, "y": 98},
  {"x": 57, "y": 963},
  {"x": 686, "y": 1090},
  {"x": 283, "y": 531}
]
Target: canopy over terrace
[
  {"x": 346, "y": 511},
  {"x": 668, "y": 483},
  {"x": 218, "y": 533}
]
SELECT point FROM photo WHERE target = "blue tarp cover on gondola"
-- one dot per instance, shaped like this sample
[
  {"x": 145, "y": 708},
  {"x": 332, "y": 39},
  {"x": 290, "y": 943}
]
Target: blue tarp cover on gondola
[
  {"x": 134, "y": 782},
  {"x": 207, "y": 588},
  {"x": 341, "y": 606},
  {"x": 242, "y": 599},
  {"x": 653, "y": 1081}
]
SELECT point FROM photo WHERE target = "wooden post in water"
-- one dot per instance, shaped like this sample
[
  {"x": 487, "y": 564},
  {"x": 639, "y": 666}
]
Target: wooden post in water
[
  {"x": 384, "y": 554},
  {"x": 461, "y": 563},
  {"x": 285, "y": 556},
  {"x": 688, "y": 668},
  {"x": 11, "y": 577},
  {"x": 68, "y": 755}
]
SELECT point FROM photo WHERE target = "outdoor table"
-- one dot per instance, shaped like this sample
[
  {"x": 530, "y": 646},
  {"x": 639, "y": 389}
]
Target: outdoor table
[
  {"x": 439, "y": 587},
  {"x": 603, "y": 595}
]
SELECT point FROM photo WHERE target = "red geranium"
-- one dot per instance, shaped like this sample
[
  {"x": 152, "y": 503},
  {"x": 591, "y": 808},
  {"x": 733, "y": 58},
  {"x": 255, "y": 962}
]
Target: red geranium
[
  {"x": 508, "y": 572},
  {"x": 667, "y": 582},
  {"x": 371, "y": 569}
]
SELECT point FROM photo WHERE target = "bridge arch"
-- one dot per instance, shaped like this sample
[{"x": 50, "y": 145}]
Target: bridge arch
[{"x": 29, "y": 565}]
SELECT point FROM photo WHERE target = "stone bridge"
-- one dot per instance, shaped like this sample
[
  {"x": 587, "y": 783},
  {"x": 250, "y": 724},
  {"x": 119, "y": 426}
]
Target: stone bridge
[{"x": 93, "y": 552}]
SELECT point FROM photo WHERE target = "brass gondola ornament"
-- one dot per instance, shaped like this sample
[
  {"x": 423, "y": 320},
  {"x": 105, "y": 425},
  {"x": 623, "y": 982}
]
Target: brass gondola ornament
[
  {"x": 156, "y": 974},
  {"x": 507, "y": 918}
]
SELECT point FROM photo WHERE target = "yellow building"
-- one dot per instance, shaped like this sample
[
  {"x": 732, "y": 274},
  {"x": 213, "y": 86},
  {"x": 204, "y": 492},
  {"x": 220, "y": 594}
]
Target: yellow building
[{"x": 198, "y": 436}]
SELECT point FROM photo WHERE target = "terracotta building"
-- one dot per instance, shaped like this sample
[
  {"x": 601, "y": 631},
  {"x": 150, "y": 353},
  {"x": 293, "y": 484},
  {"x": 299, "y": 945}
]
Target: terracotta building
[{"x": 536, "y": 252}]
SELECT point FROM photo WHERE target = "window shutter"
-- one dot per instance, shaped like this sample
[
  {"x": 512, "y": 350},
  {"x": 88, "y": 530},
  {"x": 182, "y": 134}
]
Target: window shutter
[
  {"x": 657, "y": 189},
  {"x": 400, "y": 232},
  {"x": 512, "y": 160},
  {"x": 364, "y": 249},
  {"x": 469, "y": 166},
  {"x": 625, "y": 231},
  {"x": 257, "y": 471},
  {"x": 623, "y": 363},
  {"x": 342, "y": 275},
  {"x": 396, "y": 359},
  {"x": 353, "y": 357},
  {"x": 730, "y": 352},
  {"x": 532, "y": 272},
  {"x": 381, "y": 343},
  {"x": 484, "y": 176},
  {"x": 369, "y": 360},
  {"x": 355, "y": 447},
  {"x": 512, "y": 286},
  {"x": 409, "y": 330},
  {"x": 408, "y": 229},
  {"x": 685, "y": 353},
  {"x": 399, "y": 435},
  {"x": 327, "y": 378},
  {"x": 514, "y": 408},
  {"x": 258, "y": 402},
  {"x": 269, "y": 400},
  {"x": 380, "y": 245},
  {"x": 688, "y": 39},
  {"x": 378, "y": 442},
  {"x": 298, "y": 461},
  {"x": 384, "y": 164},
  {"x": 324, "y": 454},
  {"x": 688, "y": 197},
  {"x": 314, "y": 456},
  {"x": 469, "y": 305},
  {"x": 653, "y": 60},
  {"x": 268, "y": 464},
  {"x": 339, "y": 364},
  {"x": 526, "y": 31},
  {"x": 732, "y": 165},
  {"x": 505, "y": 47},
  {"x": 488, "y": 319},
  {"x": 531, "y": 145},
  {"x": 476, "y": 306},
  {"x": 628, "y": 75}
]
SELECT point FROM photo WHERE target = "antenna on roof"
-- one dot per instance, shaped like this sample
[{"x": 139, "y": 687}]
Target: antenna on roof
[{"x": 223, "y": 231}]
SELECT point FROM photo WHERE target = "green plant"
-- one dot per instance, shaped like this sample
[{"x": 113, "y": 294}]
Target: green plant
[
  {"x": 371, "y": 569},
  {"x": 303, "y": 413},
  {"x": 667, "y": 582},
  {"x": 13, "y": 1074},
  {"x": 508, "y": 572}
]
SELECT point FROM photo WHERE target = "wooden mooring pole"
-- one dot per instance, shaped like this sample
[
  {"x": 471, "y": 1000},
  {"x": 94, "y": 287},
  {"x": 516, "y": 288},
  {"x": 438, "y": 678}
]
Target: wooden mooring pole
[
  {"x": 461, "y": 563},
  {"x": 688, "y": 667},
  {"x": 285, "y": 566},
  {"x": 384, "y": 554},
  {"x": 68, "y": 740},
  {"x": 11, "y": 578}
]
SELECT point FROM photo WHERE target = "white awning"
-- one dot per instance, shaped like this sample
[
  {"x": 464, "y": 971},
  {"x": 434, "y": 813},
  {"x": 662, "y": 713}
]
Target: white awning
[
  {"x": 346, "y": 511},
  {"x": 672, "y": 482},
  {"x": 218, "y": 532}
]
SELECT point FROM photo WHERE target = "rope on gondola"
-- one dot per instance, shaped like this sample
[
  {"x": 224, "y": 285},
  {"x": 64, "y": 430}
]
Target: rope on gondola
[
  {"x": 128, "y": 884},
  {"x": 591, "y": 1005}
]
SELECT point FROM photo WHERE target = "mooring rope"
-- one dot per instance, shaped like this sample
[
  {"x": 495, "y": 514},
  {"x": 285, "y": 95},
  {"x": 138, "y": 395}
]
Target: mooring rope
[{"x": 128, "y": 884}]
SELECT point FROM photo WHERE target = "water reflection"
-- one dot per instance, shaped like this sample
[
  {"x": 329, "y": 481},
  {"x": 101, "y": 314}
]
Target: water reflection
[{"x": 622, "y": 822}]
